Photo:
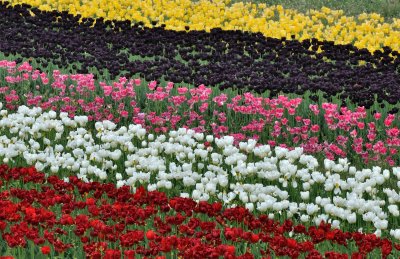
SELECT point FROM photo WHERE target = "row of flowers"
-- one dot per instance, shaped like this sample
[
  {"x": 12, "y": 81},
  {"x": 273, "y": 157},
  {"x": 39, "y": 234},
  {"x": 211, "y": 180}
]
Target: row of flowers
[
  {"x": 227, "y": 59},
  {"x": 205, "y": 168},
  {"x": 74, "y": 218},
  {"x": 365, "y": 31},
  {"x": 325, "y": 129}
]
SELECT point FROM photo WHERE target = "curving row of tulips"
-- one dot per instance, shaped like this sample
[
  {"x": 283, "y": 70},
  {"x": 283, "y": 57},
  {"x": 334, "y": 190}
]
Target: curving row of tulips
[
  {"x": 55, "y": 217},
  {"x": 227, "y": 59},
  {"x": 206, "y": 168},
  {"x": 325, "y": 130},
  {"x": 364, "y": 31}
]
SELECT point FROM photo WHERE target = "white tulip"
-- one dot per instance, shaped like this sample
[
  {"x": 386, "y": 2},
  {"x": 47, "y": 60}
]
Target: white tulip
[
  {"x": 168, "y": 185},
  {"x": 304, "y": 218},
  {"x": 151, "y": 187},
  {"x": 184, "y": 195},
  {"x": 249, "y": 206},
  {"x": 351, "y": 218},
  {"x": 335, "y": 224},
  {"x": 305, "y": 195},
  {"x": 120, "y": 183}
]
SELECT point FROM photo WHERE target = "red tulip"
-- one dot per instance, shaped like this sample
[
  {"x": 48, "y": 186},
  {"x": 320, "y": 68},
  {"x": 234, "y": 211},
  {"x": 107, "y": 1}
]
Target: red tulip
[
  {"x": 45, "y": 250},
  {"x": 129, "y": 254},
  {"x": 112, "y": 254},
  {"x": 254, "y": 238},
  {"x": 150, "y": 234},
  {"x": 230, "y": 249}
]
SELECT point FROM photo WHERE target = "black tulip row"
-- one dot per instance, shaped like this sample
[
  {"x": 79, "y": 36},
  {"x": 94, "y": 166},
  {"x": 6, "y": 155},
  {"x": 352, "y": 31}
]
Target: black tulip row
[{"x": 242, "y": 60}]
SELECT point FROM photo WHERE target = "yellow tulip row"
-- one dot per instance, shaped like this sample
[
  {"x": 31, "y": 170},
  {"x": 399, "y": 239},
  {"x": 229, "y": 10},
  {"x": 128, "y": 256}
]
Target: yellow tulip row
[{"x": 364, "y": 31}]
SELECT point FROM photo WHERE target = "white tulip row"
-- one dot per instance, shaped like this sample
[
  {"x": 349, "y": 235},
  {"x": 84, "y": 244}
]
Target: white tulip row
[{"x": 278, "y": 181}]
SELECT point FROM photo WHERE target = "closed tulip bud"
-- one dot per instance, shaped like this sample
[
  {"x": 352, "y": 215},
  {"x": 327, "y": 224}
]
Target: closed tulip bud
[
  {"x": 306, "y": 186},
  {"x": 150, "y": 234},
  {"x": 304, "y": 218},
  {"x": 204, "y": 197},
  {"x": 336, "y": 224},
  {"x": 184, "y": 195},
  {"x": 54, "y": 169},
  {"x": 305, "y": 195},
  {"x": 351, "y": 218},
  {"x": 196, "y": 195},
  {"x": 151, "y": 187},
  {"x": 168, "y": 185},
  {"x": 386, "y": 174},
  {"x": 249, "y": 206},
  {"x": 120, "y": 183}
]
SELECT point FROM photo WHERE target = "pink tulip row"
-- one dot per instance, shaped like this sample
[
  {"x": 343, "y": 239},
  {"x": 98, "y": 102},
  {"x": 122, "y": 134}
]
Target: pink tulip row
[{"x": 327, "y": 129}]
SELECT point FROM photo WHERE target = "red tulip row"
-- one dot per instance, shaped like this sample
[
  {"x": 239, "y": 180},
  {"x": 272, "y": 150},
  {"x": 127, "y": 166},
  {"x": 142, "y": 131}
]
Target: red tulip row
[{"x": 104, "y": 221}]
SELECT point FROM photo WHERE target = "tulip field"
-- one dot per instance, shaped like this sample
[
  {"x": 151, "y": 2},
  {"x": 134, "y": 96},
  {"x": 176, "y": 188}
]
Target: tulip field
[{"x": 199, "y": 129}]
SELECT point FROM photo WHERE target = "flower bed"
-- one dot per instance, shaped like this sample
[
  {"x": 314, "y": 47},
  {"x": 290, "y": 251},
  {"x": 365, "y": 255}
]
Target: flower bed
[
  {"x": 227, "y": 59},
  {"x": 204, "y": 168},
  {"x": 364, "y": 31},
  {"x": 98, "y": 220},
  {"x": 290, "y": 150},
  {"x": 326, "y": 129}
]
